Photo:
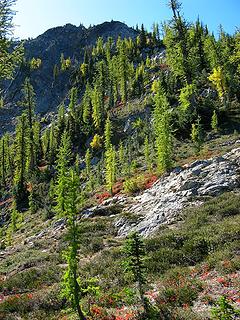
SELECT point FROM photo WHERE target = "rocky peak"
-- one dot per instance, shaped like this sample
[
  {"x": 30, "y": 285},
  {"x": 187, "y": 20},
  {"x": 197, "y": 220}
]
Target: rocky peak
[{"x": 68, "y": 40}]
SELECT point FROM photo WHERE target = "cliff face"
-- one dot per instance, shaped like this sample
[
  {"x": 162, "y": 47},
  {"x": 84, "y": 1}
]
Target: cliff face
[{"x": 68, "y": 40}]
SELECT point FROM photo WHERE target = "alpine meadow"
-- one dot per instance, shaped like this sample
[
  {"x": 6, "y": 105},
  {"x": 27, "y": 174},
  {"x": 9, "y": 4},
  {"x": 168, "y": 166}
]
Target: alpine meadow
[{"x": 120, "y": 171}]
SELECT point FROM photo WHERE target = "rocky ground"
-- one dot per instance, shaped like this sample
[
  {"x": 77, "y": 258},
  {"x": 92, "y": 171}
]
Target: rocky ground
[{"x": 183, "y": 187}]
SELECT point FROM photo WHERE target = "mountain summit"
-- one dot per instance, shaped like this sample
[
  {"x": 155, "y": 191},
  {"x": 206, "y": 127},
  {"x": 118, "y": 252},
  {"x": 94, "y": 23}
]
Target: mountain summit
[{"x": 68, "y": 41}]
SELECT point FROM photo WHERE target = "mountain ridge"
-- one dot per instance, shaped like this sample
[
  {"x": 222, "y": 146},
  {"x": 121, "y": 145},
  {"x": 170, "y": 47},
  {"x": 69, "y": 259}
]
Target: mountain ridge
[{"x": 68, "y": 40}]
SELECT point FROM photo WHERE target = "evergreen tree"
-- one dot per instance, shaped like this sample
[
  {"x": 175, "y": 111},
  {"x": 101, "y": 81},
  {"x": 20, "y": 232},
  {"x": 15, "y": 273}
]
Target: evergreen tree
[
  {"x": 110, "y": 164},
  {"x": 147, "y": 154},
  {"x": 28, "y": 102},
  {"x": 162, "y": 129},
  {"x": 10, "y": 56},
  {"x": 134, "y": 263},
  {"x": 123, "y": 70},
  {"x": 176, "y": 40},
  {"x": 96, "y": 107},
  {"x": 197, "y": 135},
  {"x": 3, "y": 161},
  {"x": 121, "y": 159},
  {"x": 71, "y": 287},
  {"x": 21, "y": 147},
  {"x": 108, "y": 133},
  {"x": 86, "y": 104},
  {"x": 62, "y": 164},
  {"x": 214, "y": 121}
]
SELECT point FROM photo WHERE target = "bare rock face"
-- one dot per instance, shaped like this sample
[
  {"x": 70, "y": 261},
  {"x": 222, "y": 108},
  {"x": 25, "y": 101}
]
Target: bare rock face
[
  {"x": 68, "y": 40},
  {"x": 183, "y": 187}
]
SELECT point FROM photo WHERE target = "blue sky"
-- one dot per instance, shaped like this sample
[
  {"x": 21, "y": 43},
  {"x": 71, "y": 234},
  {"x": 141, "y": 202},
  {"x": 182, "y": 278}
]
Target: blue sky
[{"x": 33, "y": 17}]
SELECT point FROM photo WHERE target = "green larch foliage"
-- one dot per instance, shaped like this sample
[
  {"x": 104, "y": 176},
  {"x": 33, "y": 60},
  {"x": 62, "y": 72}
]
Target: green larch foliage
[
  {"x": 62, "y": 163},
  {"x": 21, "y": 160},
  {"x": 134, "y": 263},
  {"x": 28, "y": 102},
  {"x": 71, "y": 288},
  {"x": 197, "y": 135},
  {"x": 110, "y": 164},
  {"x": 10, "y": 56},
  {"x": 86, "y": 104},
  {"x": 107, "y": 134},
  {"x": 163, "y": 134},
  {"x": 96, "y": 107},
  {"x": 214, "y": 121}
]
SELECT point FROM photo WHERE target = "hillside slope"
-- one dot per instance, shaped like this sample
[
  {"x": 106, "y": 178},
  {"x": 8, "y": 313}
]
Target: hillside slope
[
  {"x": 31, "y": 268},
  {"x": 68, "y": 40}
]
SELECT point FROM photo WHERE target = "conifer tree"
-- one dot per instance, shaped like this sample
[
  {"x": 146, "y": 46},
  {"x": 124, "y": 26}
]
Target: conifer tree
[
  {"x": 123, "y": 70},
  {"x": 88, "y": 168},
  {"x": 162, "y": 129},
  {"x": 86, "y": 104},
  {"x": 121, "y": 159},
  {"x": 11, "y": 56},
  {"x": 147, "y": 154},
  {"x": 197, "y": 135},
  {"x": 134, "y": 263},
  {"x": 108, "y": 133},
  {"x": 71, "y": 286},
  {"x": 88, "y": 162},
  {"x": 3, "y": 162},
  {"x": 214, "y": 121},
  {"x": 110, "y": 163},
  {"x": 219, "y": 81},
  {"x": 110, "y": 156},
  {"x": 28, "y": 102},
  {"x": 21, "y": 147},
  {"x": 96, "y": 107},
  {"x": 72, "y": 115},
  {"x": 62, "y": 163},
  {"x": 176, "y": 40}
]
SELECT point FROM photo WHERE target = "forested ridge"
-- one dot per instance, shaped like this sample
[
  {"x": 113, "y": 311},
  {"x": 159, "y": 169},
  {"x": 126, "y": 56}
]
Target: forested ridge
[{"x": 138, "y": 109}]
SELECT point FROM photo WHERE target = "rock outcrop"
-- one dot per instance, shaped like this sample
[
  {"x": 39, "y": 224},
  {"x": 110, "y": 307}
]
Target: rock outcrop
[{"x": 183, "y": 187}]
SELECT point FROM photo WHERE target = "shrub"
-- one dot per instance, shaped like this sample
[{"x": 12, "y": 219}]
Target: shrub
[{"x": 224, "y": 310}]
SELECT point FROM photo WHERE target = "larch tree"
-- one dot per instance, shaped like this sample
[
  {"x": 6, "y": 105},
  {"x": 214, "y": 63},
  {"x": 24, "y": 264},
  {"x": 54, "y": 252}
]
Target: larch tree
[
  {"x": 28, "y": 102},
  {"x": 62, "y": 163},
  {"x": 163, "y": 134},
  {"x": 21, "y": 160},
  {"x": 71, "y": 287}
]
